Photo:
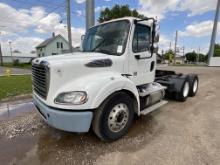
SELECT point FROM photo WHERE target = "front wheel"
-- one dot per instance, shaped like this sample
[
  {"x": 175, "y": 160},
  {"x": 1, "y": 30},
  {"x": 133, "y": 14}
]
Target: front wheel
[{"x": 114, "y": 117}]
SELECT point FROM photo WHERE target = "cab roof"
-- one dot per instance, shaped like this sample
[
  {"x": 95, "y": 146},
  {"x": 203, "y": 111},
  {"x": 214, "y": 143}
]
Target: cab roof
[{"x": 130, "y": 19}]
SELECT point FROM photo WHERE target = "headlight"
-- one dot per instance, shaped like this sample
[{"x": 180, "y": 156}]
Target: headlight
[{"x": 75, "y": 98}]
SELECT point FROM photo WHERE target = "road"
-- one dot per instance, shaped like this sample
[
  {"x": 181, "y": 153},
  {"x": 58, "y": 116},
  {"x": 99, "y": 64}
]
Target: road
[
  {"x": 14, "y": 71},
  {"x": 176, "y": 134}
]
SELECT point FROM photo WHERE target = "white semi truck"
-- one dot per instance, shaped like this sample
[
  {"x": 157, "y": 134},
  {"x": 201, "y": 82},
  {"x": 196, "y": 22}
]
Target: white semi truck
[{"x": 110, "y": 81}]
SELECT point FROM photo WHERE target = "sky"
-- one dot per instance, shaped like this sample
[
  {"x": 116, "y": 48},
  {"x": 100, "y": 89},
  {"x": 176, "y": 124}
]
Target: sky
[{"x": 26, "y": 23}]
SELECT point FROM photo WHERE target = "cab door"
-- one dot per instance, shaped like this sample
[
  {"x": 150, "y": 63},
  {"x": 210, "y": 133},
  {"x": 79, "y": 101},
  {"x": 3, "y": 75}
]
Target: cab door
[{"x": 142, "y": 62}]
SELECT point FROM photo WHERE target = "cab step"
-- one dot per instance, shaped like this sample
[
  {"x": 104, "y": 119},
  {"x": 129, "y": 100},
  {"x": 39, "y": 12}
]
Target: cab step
[{"x": 153, "y": 107}]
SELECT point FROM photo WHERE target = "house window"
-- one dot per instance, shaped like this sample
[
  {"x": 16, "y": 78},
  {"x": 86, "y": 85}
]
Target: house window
[
  {"x": 58, "y": 45},
  {"x": 61, "y": 44}
]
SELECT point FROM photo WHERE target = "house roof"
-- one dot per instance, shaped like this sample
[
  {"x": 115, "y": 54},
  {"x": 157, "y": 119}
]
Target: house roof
[
  {"x": 49, "y": 40},
  {"x": 179, "y": 56}
]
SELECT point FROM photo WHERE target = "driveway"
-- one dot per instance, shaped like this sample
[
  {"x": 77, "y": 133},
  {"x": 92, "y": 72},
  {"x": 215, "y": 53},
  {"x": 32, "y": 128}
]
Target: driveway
[
  {"x": 177, "y": 134},
  {"x": 14, "y": 71}
]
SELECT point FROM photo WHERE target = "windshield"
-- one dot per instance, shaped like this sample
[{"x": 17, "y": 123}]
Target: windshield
[{"x": 110, "y": 38}]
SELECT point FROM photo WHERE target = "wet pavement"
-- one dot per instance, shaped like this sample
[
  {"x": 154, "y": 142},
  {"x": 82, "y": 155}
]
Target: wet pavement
[
  {"x": 14, "y": 71},
  {"x": 11, "y": 110},
  {"x": 178, "y": 133}
]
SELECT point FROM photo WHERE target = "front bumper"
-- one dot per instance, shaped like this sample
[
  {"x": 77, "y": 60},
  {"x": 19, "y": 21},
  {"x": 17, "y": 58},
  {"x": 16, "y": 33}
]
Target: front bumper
[{"x": 64, "y": 120}]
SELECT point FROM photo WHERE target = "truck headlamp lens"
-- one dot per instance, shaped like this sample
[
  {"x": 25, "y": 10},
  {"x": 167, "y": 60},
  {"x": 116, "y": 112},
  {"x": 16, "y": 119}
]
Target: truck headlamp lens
[{"x": 76, "y": 98}]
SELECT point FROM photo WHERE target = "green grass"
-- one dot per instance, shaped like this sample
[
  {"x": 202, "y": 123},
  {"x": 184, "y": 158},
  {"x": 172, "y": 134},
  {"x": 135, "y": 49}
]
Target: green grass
[
  {"x": 14, "y": 86},
  {"x": 21, "y": 66}
]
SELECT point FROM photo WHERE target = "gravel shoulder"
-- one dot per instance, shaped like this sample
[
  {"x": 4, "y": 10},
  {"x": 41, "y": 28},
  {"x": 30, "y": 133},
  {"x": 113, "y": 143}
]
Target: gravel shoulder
[{"x": 176, "y": 134}]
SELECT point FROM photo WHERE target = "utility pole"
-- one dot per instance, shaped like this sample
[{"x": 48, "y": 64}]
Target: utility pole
[
  {"x": 198, "y": 54},
  {"x": 69, "y": 25},
  {"x": 214, "y": 33},
  {"x": 1, "y": 59},
  {"x": 184, "y": 54},
  {"x": 10, "y": 50},
  {"x": 90, "y": 13},
  {"x": 175, "y": 49},
  {"x": 170, "y": 45}
]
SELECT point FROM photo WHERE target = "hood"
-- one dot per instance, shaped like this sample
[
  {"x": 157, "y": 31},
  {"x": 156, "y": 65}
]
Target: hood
[
  {"x": 78, "y": 56},
  {"x": 69, "y": 68}
]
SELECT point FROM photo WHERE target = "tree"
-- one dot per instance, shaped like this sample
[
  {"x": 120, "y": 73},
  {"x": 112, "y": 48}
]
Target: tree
[
  {"x": 118, "y": 12},
  {"x": 194, "y": 57},
  {"x": 191, "y": 56},
  {"x": 169, "y": 55},
  {"x": 217, "y": 50}
]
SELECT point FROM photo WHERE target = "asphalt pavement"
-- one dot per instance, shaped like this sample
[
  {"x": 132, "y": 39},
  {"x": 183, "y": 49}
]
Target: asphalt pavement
[{"x": 177, "y": 134}]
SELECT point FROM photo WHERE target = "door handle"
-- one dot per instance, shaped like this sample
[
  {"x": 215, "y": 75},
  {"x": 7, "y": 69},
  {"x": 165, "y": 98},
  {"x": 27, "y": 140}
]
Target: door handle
[{"x": 138, "y": 57}]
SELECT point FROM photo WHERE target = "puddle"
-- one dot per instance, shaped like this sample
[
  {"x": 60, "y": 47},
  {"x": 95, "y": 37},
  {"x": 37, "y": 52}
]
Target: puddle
[
  {"x": 50, "y": 145},
  {"x": 11, "y": 111}
]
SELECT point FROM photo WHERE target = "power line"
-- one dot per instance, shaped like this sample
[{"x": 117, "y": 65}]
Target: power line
[
  {"x": 49, "y": 13},
  {"x": 27, "y": 2}
]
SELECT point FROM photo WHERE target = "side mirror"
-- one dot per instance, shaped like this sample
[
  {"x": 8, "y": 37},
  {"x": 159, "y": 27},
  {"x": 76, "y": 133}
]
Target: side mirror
[
  {"x": 157, "y": 38},
  {"x": 82, "y": 39},
  {"x": 156, "y": 49},
  {"x": 157, "y": 33}
]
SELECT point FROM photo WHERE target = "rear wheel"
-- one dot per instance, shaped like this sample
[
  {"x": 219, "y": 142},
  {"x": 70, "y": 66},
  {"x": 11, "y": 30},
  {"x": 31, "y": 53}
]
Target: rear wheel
[
  {"x": 183, "y": 94},
  {"x": 114, "y": 117},
  {"x": 194, "y": 85}
]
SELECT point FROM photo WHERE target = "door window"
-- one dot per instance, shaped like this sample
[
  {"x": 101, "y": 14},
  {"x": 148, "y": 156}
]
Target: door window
[{"x": 141, "y": 40}]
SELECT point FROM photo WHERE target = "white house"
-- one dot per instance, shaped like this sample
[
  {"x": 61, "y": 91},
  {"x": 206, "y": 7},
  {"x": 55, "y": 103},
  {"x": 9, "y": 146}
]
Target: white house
[{"x": 53, "y": 46}]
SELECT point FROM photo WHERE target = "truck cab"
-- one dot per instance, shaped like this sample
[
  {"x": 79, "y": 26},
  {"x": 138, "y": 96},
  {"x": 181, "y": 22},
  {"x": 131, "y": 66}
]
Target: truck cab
[{"x": 110, "y": 81}]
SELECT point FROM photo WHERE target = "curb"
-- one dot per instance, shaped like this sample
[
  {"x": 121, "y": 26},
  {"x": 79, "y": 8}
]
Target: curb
[{"x": 14, "y": 99}]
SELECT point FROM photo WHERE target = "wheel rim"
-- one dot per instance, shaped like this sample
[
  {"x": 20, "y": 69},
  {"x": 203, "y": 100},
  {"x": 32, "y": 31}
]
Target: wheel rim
[
  {"x": 195, "y": 86},
  {"x": 186, "y": 89},
  {"x": 118, "y": 117}
]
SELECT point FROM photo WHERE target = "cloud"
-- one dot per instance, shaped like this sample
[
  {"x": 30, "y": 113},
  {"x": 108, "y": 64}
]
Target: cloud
[
  {"x": 23, "y": 44},
  {"x": 16, "y": 21},
  {"x": 160, "y": 8},
  {"x": 100, "y": 8},
  {"x": 76, "y": 33},
  {"x": 200, "y": 29},
  {"x": 164, "y": 43},
  {"x": 22, "y": 22},
  {"x": 197, "y": 7},
  {"x": 80, "y": 1},
  {"x": 49, "y": 23},
  {"x": 157, "y": 8}
]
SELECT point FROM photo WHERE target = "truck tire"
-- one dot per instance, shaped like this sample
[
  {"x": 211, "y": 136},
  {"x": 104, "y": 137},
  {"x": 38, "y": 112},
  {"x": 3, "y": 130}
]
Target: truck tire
[
  {"x": 184, "y": 92},
  {"x": 114, "y": 117},
  {"x": 193, "y": 85}
]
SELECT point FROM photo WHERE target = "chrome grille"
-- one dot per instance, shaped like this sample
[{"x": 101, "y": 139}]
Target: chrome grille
[{"x": 40, "y": 77}]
